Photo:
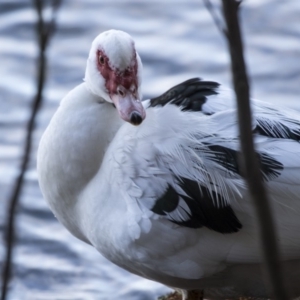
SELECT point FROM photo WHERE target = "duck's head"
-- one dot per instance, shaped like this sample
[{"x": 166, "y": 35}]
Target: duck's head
[{"x": 114, "y": 73}]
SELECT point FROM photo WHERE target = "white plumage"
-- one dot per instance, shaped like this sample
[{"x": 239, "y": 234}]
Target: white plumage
[{"x": 167, "y": 199}]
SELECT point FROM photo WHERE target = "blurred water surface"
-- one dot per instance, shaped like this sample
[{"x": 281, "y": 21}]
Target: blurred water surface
[{"x": 176, "y": 40}]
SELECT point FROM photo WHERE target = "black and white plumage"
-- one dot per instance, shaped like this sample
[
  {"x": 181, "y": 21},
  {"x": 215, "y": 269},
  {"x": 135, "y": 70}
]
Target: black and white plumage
[{"x": 167, "y": 199}]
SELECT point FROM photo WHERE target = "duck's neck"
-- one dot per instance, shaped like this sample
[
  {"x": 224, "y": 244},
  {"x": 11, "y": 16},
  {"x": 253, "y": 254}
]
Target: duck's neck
[{"x": 72, "y": 149}]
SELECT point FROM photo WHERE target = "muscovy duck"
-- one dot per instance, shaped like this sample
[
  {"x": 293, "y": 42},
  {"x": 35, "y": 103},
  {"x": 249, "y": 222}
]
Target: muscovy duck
[{"x": 157, "y": 186}]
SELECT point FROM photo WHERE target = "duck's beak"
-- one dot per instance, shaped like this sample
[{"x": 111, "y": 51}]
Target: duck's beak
[{"x": 129, "y": 107}]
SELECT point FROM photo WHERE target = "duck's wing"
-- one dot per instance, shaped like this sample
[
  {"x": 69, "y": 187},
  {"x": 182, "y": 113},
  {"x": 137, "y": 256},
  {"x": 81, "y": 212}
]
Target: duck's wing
[
  {"x": 195, "y": 94},
  {"x": 209, "y": 97},
  {"x": 184, "y": 165}
]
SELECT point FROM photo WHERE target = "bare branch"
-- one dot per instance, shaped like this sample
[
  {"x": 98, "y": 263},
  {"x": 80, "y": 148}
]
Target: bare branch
[
  {"x": 268, "y": 234},
  {"x": 45, "y": 32},
  {"x": 216, "y": 19}
]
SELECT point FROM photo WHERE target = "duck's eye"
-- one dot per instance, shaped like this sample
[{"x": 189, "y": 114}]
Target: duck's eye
[
  {"x": 127, "y": 72},
  {"x": 101, "y": 60}
]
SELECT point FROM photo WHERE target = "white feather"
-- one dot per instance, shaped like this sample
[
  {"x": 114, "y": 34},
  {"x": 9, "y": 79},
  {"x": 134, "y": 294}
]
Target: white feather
[{"x": 101, "y": 178}]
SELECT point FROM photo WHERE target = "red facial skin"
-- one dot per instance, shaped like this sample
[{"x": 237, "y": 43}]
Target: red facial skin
[
  {"x": 115, "y": 78},
  {"x": 122, "y": 89}
]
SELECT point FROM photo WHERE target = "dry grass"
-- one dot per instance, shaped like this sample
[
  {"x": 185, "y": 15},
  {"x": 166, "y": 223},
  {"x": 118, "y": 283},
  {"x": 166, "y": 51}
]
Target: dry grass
[{"x": 172, "y": 296}]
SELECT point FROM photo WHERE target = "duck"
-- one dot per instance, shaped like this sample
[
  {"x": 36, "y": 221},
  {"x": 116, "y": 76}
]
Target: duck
[{"x": 157, "y": 186}]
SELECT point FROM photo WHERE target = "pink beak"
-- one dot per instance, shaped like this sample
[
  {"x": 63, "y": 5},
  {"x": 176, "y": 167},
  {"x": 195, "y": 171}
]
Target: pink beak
[{"x": 130, "y": 109}]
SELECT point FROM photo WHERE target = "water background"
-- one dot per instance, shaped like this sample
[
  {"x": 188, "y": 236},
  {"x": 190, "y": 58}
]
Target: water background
[{"x": 176, "y": 40}]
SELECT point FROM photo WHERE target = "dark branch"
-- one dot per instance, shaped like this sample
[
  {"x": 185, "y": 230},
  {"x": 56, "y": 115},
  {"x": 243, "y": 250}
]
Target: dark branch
[
  {"x": 216, "y": 19},
  {"x": 45, "y": 31},
  {"x": 268, "y": 234}
]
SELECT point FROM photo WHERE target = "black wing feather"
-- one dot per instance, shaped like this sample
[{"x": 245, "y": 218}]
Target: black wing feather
[
  {"x": 203, "y": 210},
  {"x": 230, "y": 160},
  {"x": 190, "y": 95},
  {"x": 276, "y": 129}
]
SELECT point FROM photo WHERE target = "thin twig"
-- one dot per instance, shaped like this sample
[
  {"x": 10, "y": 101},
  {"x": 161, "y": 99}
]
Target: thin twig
[
  {"x": 45, "y": 32},
  {"x": 218, "y": 22},
  {"x": 268, "y": 234}
]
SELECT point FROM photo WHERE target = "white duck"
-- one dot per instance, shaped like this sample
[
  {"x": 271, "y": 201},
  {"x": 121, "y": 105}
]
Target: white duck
[{"x": 166, "y": 199}]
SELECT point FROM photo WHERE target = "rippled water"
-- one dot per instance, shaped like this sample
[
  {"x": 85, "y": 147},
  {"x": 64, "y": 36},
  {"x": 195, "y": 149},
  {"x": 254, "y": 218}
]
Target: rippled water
[{"x": 176, "y": 40}]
